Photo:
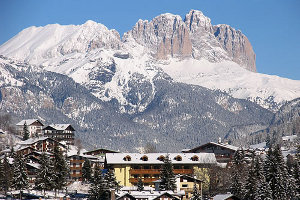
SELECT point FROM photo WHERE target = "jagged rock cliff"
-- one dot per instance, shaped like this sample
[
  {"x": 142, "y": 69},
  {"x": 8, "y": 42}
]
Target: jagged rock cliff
[{"x": 236, "y": 45}]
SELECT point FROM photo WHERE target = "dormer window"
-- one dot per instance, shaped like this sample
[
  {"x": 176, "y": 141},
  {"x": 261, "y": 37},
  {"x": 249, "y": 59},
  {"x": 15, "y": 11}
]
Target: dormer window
[
  {"x": 144, "y": 158},
  {"x": 178, "y": 158},
  {"x": 161, "y": 158},
  {"x": 127, "y": 158},
  {"x": 195, "y": 158}
]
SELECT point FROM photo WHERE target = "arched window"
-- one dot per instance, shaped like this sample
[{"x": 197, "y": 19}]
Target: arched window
[
  {"x": 178, "y": 158},
  {"x": 127, "y": 158},
  {"x": 195, "y": 158},
  {"x": 144, "y": 158},
  {"x": 161, "y": 158}
]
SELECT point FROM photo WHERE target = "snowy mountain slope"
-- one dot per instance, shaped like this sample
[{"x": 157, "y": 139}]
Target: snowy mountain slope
[
  {"x": 190, "y": 50},
  {"x": 175, "y": 116},
  {"x": 271, "y": 92},
  {"x": 38, "y": 44}
]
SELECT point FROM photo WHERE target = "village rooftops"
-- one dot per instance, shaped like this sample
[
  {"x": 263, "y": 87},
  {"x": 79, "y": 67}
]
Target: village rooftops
[
  {"x": 28, "y": 122},
  {"x": 158, "y": 158},
  {"x": 31, "y": 141},
  {"x": 151, "y": 195},
  {"x": 60, "y": 127},
  {"x": 226, "y": 146}
]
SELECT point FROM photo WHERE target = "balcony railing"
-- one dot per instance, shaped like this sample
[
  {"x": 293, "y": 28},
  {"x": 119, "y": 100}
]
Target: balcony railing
[
  {"x": 75, "y": 168},
  {"x": 144, "y": 171},
  {"x": 145, "y": 180},
  {"x": 157, "y": 171}
]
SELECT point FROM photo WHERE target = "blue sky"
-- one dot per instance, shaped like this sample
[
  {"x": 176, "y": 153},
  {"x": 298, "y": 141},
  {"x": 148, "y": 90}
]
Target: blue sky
[{"x": 272, "y": 26}]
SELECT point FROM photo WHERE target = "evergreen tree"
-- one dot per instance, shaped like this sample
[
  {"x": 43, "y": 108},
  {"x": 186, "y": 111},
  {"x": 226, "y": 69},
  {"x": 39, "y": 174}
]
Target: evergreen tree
[
  {"x": 196, "y": 193},
  {"x": 111, "y": 180},
  {"x": 87, "y": 171},
  {"x": 6, "y": 175},
  {"x": 296, "y": 175},
  {"x": 251, "y": 184},
  {"x": 61, "y": 170},
  {"x": 99, "y": 188},
  {"x": 263, "y": 191},
  {"x": 45, "y": 175},
  {"x": 167, "y": 176},
  {"x": 26, "y": 133},
  {"x": 140, "y": 185},
  {"x": 237, "y": 177},
  {"x": 20, "y": 177},
  {"x": 281, "y": 184}
]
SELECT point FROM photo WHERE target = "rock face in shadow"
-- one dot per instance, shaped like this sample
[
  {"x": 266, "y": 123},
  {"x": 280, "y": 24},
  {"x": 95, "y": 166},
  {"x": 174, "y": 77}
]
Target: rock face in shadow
[
  {"x": 168, "y": 35},
  {"x": 236, "y": 45}
]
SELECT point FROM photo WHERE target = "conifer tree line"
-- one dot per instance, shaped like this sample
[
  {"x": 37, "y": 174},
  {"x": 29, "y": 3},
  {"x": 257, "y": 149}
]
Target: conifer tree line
[
  {"x": 102, "y": 183},
  {"x": 270, "y": 178},
  {"x": 52, "y": 174}
]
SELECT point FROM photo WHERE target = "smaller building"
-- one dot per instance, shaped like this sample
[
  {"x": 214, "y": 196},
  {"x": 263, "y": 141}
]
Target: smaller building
[
  {"x": 60, "y": 132},
  {"x": 99, "y": 152},
  {"x": 76, "y": 163},
  {"x": 34, "y": 126},
  {"x": 223, "y": 152},
  {"x": 42, "y": 144}
]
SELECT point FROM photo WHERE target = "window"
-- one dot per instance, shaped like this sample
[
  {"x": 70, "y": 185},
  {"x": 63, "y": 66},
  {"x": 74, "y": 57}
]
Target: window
[
  {"x": 127, "y": 158},
  {"x": 144, "y": 158},
  {"x": 185, "y": 185},
  {"x": 178, "y": 158},
  {"x": 146, "y": 175},
  {"x": 195, "y": 158},
  {"x": 161, "y": 158}
]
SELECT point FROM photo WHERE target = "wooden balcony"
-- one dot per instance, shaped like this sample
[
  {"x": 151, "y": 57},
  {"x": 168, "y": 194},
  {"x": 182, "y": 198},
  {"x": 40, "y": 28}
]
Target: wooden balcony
[
  {"x": 76, "y": 161},
  {"x": 144, "y": 171},
  {"x": 157, "y": 171},
  {"x": 145, "y": 180},
  {"x": 183, "y": 171},
  {"x": 76, "y": 175},
  {"x": 75, "y": 168}
]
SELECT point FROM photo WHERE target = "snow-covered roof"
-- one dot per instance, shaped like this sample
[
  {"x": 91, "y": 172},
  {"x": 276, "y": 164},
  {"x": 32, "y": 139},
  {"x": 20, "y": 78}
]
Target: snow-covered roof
[
  {"x": 152, "y": 158},
  {"x": 60, "y": 127},
  {"x": 28, "y": 122},
  {"x": 260, "y": 146},
  {"x": 150, "y": 194},
  {"x": 228, "y": 146},
  {"x": 32, "y": 140},
  {"x": 289, "y": 138},
  {"x": 222, "y": 196},
  {"x": 34, "y": 165}
]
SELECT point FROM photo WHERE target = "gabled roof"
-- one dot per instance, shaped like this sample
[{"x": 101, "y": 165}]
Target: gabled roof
[
  {"x": 225, "y": 197},
  {"x": 28, "y": 122},
  {"x": 100, "y": 149},
  {"x": 128, "y": 196},
  {"x": 190, "y": 178},
  {"x": 34, "y": 140},
  {"x": 60, "y": 127},
  {"x": 166, "y": 194},
  {"x": 153, "y": 158},
  {"x": 226, "y": 146}
]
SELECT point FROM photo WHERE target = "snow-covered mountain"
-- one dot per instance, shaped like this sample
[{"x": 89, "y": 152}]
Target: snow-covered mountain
[
  {"x": 174, "y": 116},
  {"x": 189, "y": 50}
]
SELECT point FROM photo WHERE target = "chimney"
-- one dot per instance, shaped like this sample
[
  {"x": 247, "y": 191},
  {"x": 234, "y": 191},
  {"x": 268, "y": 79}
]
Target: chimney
[
  {"x": 113, "y": 195},
  {"x": 219, "y": 140}
]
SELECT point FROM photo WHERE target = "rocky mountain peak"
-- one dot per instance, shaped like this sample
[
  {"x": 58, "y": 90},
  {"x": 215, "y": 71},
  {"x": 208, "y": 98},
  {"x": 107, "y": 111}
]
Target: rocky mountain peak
[
  {"x": 237, "y": 45},
  {"x": 196, "y": 19},
  {"x": 165, "y": 35}
]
